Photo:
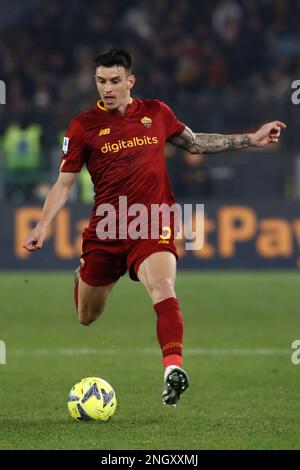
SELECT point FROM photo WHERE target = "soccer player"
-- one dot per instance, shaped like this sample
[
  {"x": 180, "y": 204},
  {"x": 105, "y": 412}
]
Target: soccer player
[{"x": 121, "y": 140}]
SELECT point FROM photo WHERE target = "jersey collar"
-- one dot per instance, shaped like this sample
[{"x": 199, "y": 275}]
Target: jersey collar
[{"x": 101, "y": 106}]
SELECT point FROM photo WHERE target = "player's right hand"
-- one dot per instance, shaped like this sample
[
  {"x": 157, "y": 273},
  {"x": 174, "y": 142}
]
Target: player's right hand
[{"x": 34, "y": 241}]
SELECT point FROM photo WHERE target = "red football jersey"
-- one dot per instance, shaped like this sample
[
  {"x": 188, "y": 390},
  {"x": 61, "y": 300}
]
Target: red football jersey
[{"x": 123, "y": 154}]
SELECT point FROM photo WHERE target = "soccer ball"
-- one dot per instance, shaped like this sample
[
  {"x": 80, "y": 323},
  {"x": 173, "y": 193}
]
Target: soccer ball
[{"x": 92, "y": 399}]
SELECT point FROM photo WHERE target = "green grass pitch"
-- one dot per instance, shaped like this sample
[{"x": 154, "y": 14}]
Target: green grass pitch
[{"x": 239, "y": 327}]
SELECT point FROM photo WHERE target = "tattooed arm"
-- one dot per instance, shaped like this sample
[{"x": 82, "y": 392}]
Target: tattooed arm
[{"x": 212, "y": 143}]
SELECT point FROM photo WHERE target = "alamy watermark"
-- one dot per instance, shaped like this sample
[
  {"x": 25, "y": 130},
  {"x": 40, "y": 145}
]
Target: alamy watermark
[
  {"x": 161, "y": 222},
  {"x": 2, "y": 92},
  {"x": 2, "y": 352},
  {"x": 296, "y": 94},
  {"x": 295, "y": 358}
]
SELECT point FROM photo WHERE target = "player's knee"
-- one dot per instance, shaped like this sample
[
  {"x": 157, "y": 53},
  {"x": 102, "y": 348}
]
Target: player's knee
[
  {"x": 84, "y": 320},
  {"x": 163, "y": 289},
  {"x": 86, "y": 316}
]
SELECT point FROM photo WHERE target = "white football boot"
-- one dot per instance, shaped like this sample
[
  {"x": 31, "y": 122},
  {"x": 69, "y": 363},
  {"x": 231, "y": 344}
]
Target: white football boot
[{"x": 176, "y": 381}]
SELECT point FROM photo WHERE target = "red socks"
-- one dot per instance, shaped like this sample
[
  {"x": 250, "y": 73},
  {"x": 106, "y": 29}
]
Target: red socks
[{"x": 169, "y": 330}]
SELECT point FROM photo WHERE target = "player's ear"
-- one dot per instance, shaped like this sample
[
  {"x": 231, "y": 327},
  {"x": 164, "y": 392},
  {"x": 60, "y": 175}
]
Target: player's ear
[{"x": 131, "y": 81}]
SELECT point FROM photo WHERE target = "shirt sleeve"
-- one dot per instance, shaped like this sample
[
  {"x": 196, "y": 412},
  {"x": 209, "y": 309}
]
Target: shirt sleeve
[
  {"x": 73, "y": 148},
  {"x": 172, "y": 125}
]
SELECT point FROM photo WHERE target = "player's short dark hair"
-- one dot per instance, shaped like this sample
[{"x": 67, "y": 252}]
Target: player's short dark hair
[{"x": 115, "y": 57}]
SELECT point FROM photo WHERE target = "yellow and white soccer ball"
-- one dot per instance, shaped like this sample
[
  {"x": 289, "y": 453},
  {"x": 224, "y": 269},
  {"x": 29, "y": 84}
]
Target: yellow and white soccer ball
[{"x": 92, "y": 399}]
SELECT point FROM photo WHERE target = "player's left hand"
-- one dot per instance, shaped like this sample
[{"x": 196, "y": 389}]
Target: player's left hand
[{"x": 268, "y": 134}]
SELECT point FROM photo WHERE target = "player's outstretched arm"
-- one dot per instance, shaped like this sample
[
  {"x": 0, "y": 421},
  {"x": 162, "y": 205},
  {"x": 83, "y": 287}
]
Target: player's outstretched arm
[
  {"x": 56, "y": 199},
  {"x": 211, "y": 143}
]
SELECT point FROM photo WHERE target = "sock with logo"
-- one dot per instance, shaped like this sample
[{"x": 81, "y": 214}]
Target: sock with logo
[{"x": 169, "y": 328}]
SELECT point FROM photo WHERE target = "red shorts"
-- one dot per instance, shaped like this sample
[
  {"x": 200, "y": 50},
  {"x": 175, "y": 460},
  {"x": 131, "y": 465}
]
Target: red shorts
[{"x": 104, "y": 262}]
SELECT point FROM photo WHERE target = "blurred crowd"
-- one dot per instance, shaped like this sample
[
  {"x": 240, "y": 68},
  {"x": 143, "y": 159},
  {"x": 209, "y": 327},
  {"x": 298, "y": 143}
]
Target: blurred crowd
[
  {"x": 177, "y": 45},
  {"x": 203, "y": 54}
]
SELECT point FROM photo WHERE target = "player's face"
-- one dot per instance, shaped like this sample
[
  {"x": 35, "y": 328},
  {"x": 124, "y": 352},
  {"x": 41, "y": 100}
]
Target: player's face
[{"x": 114, "y": 85}]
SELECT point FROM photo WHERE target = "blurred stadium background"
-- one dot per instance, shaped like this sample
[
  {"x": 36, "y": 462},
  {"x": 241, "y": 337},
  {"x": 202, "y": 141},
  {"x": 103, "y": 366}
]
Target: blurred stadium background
[{"x": 224, "y": 66}]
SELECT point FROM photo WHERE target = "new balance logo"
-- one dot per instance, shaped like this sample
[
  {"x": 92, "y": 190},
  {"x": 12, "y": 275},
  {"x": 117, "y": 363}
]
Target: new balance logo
[{"x": 105, "y": 131}]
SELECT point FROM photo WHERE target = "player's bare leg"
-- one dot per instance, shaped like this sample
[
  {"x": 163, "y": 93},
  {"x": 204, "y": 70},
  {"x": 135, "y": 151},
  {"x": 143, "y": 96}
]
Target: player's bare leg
[
  {"x": 91, "y": 300},
  {"x": 158, "y": 275}
]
